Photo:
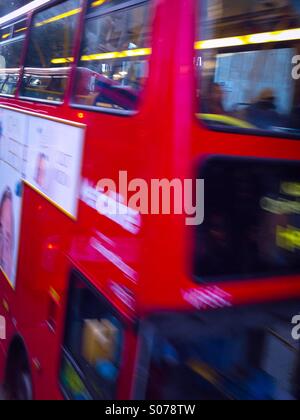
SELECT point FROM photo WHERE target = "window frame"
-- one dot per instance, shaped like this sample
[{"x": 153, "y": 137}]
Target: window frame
[
  {"x": 201, "y": 122},
  {"x": 66, "y": 93},
  {"x": 99, "y": 13},
  {"x": 11, "y": 27},
  {"x": 66, "y": 354}
]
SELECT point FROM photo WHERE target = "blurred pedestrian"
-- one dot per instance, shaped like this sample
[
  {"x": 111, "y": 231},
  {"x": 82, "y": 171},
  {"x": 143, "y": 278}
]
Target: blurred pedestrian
[
  {"x": 263, "y": 112},
  {"x": 214, "y": 102}
]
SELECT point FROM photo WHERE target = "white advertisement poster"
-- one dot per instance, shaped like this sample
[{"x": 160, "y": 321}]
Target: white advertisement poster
[
  {"x": 12, "y": 165},
  {"x": 13, "y": 140},
  {"x": 54, "y": 163},
  {"x": 10, "y": 218},
  {"x": 47, "y": 155}
]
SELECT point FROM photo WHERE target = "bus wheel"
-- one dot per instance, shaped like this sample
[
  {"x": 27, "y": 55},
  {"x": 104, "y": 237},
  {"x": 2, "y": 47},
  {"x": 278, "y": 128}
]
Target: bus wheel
[
  {"x": 18, "y": 383},
  {"x": 23, "y": 391}
]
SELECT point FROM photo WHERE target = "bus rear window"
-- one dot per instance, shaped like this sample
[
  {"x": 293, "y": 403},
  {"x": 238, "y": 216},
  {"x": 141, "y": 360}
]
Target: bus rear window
[
  {"x": 50, "y": 52},
  {"x": 115, "y": 50},
  {"x": 11, "y": 47},
  {"x": 248, "y": 65},
  {"x": 252, "y": 219}
]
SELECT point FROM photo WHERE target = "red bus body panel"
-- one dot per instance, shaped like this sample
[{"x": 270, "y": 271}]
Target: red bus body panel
[{"x": 160, "y": 141}]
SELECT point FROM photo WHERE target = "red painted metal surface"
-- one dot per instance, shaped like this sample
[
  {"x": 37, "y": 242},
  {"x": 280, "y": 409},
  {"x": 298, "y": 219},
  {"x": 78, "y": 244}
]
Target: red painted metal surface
[{"x": 160, "y": 141}]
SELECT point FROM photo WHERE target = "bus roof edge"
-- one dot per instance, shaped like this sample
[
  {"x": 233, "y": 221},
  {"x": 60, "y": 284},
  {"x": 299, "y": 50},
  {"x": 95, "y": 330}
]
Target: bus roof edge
[{"x": 22, "y": 11}]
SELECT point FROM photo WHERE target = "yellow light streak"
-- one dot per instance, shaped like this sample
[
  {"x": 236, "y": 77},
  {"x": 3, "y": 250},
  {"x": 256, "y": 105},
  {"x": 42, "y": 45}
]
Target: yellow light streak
[
  {"x": 58, "y": 17},
  {"x": 98, "y": 3},
  {"x": 251, "y": 39},
  {"x": 21, "y": 30},
  {"x": 291, "y": 188},
  {"x": 220, "y": 43},
  {"x": 225, "y": 119},
  {"x": 62, "y": 60},
  {"x": 288, "y": 238},
  {"x": 140, "y": 52}
]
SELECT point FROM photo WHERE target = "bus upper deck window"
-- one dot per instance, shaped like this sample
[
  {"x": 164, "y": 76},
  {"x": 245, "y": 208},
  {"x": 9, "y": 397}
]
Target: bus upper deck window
[
  {"x": 50, "y": 52},
  {"x": 246, "y": 60},
  {"x": 11, "y": 46},
  {"x": 115, "y": 50}
]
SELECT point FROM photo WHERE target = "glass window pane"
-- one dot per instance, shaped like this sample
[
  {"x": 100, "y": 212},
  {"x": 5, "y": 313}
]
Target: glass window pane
[
  {"x": 114, "y": 57},
  {"x": 252, "y": 223},
  {"x": 20, "y": 28},
  {"x": 248, "y": 65},
  {"x": 11, "y": 48},
  {"x": 93, "y": 345},
  {"x": 51, "y": 52},
  {"x": 246, "y": 354}
]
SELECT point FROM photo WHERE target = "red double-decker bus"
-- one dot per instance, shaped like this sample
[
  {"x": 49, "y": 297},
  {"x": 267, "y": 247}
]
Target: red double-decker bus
[{"x": 99, "y": 305}]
